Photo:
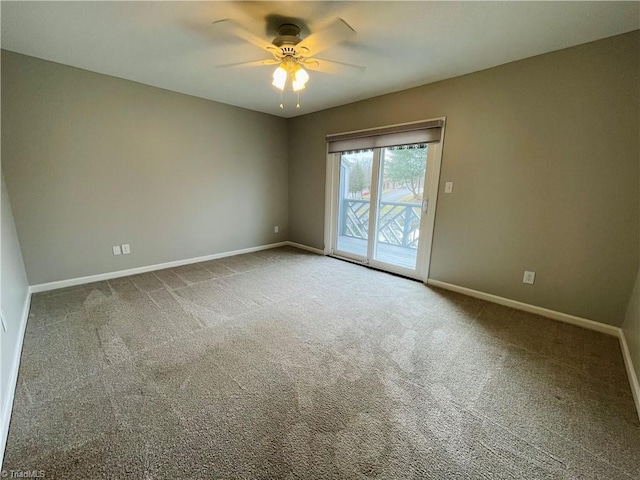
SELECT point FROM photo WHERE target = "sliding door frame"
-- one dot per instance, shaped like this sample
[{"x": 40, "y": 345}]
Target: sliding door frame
[{"x": 427, "y": 225}]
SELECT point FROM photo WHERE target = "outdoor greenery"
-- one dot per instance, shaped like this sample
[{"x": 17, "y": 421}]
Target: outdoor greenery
[
  {"x": 357, "y": 178},
  {"x": 403, "y": 167},
  {"x": 406, "y": 167}
]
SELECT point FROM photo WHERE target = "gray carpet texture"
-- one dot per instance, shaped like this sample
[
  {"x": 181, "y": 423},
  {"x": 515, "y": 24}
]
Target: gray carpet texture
[{"x": 282, "y": 364}]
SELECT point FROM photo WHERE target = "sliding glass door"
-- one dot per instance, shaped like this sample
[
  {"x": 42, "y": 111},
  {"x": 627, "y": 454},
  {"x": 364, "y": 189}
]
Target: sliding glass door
[
  {"x": 381, "y": 212},
  {"x": 399, "y": 209},
  {"x": 354, "y": 203}
]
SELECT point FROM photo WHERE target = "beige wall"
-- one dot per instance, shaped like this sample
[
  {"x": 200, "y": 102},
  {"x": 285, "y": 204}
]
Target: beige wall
[
  {"x": 93, "y": 161},
  {"x": 543, "y": 153},
  {"x": 544, "y": 156},
  {"x": 631, "y": 325}
]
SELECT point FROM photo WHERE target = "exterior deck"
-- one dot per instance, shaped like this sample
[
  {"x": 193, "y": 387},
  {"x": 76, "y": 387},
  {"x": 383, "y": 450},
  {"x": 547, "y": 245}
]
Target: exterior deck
[{"x": 392, "y": 254}]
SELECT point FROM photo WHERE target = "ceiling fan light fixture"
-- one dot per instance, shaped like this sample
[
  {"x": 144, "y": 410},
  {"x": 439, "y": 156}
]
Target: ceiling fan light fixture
[
  {"x": 290, "y": 52},
  {"x": 279, "y": 77}
]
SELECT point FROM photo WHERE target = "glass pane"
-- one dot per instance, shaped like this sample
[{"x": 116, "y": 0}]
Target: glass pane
[
  {"x": 354, "y": 202},
  {"x": 400, "y": 204}
]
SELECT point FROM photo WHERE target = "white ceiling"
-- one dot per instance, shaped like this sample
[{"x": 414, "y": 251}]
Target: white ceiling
[{"x": 402, "y": 44}]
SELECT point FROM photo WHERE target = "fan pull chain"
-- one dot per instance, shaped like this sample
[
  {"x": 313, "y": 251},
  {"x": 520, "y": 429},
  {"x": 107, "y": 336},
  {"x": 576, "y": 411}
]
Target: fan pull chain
[
  {"x": 281, "y": 105},
  {"x": 298, "y": 104}
]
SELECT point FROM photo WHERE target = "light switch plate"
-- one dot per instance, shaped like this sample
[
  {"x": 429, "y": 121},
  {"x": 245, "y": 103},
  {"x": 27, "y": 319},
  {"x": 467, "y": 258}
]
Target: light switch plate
[
  {"x": 448, "y": 187},
  {"x": 116, "y": 250},
  {"x": 126, "y": 249},
  {"x": 529, "y": 277}
]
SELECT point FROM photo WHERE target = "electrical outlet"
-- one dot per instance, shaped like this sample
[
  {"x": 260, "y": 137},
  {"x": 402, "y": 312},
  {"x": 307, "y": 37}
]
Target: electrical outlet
[
  {"x": 448, "y": 187},
  {"x": 126, "y": 249},
  {"x": 276, "y": 229},
  {"x": 116, "y": 250},
  {"x": 529, "y": 277}
]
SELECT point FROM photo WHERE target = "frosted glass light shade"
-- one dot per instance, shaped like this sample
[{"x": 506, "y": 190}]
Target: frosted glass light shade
[
  {"x": 279, "y": 77},
  {"x": 300, "y": 79}
]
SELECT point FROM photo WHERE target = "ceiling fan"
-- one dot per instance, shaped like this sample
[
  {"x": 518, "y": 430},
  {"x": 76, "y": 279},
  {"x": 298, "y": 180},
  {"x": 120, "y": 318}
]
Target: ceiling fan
[{"x": 293, "y": 54}]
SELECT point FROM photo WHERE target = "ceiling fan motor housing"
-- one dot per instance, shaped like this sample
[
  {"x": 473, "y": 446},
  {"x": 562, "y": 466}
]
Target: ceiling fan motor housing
[
  {"x": 287, "y": 39},
  {"x": 288, "y": 31}
]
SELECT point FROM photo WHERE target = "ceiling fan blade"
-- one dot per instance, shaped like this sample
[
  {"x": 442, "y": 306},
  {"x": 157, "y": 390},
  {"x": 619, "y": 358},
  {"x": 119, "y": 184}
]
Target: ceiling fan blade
[
  {"x": 232, "y": 28},
  {"x": 334, "y": 68},
  {"x": 337, "y": 32},
  {"x": 255, "y": 63}
]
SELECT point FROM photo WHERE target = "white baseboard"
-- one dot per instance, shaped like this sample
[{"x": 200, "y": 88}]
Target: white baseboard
[
  {"x": 562, "y": 317},
  {"x": 631, "y": 371},
  {"x": 526, "y": 307},
  {"x": 44, "y": 287},
  {"x": 308, "y": 249},
  {"x": 7, "y": 407}
]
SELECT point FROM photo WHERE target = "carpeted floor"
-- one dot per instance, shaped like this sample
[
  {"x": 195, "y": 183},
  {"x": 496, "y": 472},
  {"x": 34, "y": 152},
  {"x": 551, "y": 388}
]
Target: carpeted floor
[{"x": 283, "y": 364}]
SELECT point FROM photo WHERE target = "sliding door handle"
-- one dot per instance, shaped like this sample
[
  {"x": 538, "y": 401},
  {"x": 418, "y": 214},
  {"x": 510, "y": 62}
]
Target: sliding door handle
[{"x": 425, "y": 205}]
